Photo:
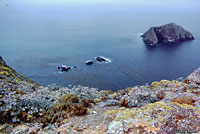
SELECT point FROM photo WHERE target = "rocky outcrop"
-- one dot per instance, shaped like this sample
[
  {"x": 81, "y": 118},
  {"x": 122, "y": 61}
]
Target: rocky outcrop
[
  {"x": 195, "y": 76},
  {"x": 169, "y": 33}
]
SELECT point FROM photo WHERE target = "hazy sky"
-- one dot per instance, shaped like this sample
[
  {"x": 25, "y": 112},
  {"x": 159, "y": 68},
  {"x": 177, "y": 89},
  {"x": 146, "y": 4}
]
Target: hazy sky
[
  {"x": 154, "y": 3},
  {"x": 192, "y": 4}
]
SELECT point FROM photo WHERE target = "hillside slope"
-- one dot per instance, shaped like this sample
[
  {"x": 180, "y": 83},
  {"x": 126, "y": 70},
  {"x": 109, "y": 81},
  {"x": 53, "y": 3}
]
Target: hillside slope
[{"x": 162, "y": 107}]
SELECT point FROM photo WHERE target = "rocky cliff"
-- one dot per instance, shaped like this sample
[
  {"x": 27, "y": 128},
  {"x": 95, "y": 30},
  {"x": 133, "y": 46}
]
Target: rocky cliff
[{"x": 169, "y": 33}]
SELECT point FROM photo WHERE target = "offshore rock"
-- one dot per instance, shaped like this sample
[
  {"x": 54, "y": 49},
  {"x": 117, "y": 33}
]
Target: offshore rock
[
  {"x": 89, "y": 62},
  {"x": 169, "y": 33},
  {"x": 101, "y": 59},
  {"x": 64, "y": 68}
]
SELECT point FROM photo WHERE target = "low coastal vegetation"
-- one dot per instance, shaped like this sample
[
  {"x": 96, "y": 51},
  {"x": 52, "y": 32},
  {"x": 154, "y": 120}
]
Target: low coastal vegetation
[{"x": 162, "y": 107}]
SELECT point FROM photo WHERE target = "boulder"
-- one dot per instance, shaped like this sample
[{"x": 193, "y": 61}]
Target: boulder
[{"x": 169, "y": 33}]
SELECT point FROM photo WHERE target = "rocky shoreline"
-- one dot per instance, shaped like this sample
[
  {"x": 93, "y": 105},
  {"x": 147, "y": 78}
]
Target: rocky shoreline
[{"x": 162, "y": 107}]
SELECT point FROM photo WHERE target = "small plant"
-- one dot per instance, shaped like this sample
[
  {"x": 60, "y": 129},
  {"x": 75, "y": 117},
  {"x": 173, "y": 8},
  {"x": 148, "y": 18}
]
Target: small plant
[
  {"x": 87, "y": 102},
  {"x": 124, "y": 103},
  {"x": 68, "y": 105},
  {"x": 186, "y": 80},
  {"x": 19, "y": 92},
  {"x": 72, "y": 98},
  {"x": 184, "y": 100},
  {"x": 161, "y": 94},
  {"x": 79, "y": 110},
  {"x": 5, "y": 116}
]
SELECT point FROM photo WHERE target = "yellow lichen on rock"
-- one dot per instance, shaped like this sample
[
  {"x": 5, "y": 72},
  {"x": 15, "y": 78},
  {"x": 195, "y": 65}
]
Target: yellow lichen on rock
[
  {"x": 151, "y": 129},
  {"x": 41, "y": 87},
  {"x": 174, "y": 81},
  {"x": 30, "y": 117},
  {"x": 155, "y": 105},
  {"x": 115, "y": 94},
  {"x": 160, "y": 119},
  {"x": 4, "y": 73},
  {"x": 125, "y": 113},
  {"x": 165, "y": 82},
  {"x": 140, "y": 124},
  {"x": 179, "y": 84},
  {"x": 158, "y": 110},
  {"x": 111, "y": 112},
  {"x": 185, "y": 99},
  {"x": 97, "y": 100},
  {"x": 105, "y": 91},
  {"x": 182, "y": 105},
  {"x": 155, "y": 83},
  {"x": 128, "y": 89}
]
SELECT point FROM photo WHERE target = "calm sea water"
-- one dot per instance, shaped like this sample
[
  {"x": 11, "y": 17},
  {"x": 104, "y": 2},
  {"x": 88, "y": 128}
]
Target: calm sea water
[{"x": 35, "y": 38}]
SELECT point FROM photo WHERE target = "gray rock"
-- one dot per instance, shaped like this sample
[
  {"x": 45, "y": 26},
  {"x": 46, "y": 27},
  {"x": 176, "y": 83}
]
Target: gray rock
[
  {"x": 108, "y": 103},
  {"x": 195, "y": 76},
  {"x": 169, "y": 33}
]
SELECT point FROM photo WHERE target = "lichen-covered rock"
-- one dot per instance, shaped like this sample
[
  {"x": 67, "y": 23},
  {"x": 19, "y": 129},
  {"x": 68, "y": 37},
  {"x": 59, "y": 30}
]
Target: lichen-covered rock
[
  {"x": 158, "y": 117},
  {"x": 108, "y": 103},
  {"x": 181, "y": 120},
  {"x": 169, "y": 33},
  {"x": 139, "y": 96}
]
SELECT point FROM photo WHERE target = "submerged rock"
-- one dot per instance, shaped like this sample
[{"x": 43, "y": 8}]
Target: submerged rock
[{"x": 169, "y": 33}]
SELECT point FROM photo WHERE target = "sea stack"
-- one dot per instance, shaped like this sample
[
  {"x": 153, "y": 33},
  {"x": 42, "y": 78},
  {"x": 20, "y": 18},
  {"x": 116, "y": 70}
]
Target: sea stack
[{"x": 169, "y": 33}]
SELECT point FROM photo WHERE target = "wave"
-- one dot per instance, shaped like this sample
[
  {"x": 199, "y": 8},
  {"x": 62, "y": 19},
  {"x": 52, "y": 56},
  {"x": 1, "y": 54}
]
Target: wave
[{"x": 52, "y": 64}]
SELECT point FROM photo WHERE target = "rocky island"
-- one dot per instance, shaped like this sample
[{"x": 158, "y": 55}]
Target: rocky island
[
  {"x": 169, "y": 33},
  {"x": 161, "y": 107}
]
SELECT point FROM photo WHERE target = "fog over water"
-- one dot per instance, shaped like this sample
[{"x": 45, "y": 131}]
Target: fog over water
[{"x": 36, "y": 36}]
